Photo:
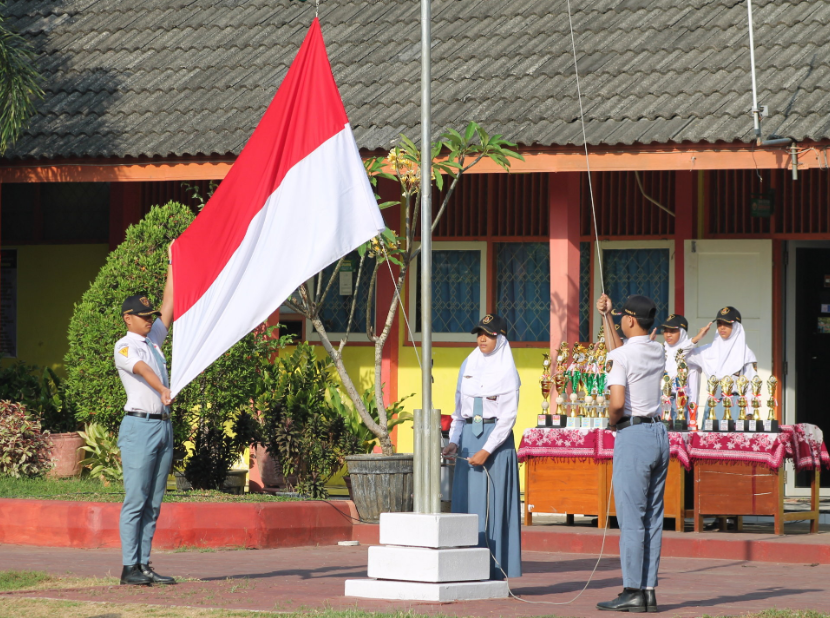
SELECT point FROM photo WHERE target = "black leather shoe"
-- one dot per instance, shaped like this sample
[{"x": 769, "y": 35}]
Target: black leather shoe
[
  {"x": 630, "y": 600},
  {"x": 132, "y": 575},
  {"x": 651, "y": 600},
  {"x": 155, "y": 577}
]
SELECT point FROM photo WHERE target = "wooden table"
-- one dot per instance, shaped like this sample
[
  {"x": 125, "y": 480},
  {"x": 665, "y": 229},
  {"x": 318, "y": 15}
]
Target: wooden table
[
  {"x": 742, "y": 488},
  {"x": 571, "y": 486}
]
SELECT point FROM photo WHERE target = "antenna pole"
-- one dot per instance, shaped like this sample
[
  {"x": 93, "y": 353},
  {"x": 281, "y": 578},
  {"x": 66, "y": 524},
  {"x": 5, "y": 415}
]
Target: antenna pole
[{"x": 756, "y": 114}]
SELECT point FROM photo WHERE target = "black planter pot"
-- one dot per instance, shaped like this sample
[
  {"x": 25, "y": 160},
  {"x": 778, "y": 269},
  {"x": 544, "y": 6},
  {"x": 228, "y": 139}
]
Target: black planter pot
[{"x": 381, "y": 484}]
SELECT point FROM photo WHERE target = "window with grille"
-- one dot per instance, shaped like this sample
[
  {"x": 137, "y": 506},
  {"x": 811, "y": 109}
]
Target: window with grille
[
  {"x": 523, "y": 289},
  {"x": 638, "y": 271},
  {"x": 458, "y": 290},
  {"x": 338, "y": 304}
]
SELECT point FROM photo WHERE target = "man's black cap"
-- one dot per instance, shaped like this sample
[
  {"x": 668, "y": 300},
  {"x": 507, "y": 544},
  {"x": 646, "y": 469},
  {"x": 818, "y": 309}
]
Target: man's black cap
[
  {"x": 138, "y": 305},
  {"x": 641, "y": 307},
  {"x": 728, "y": 314},
  {"x": 492, "y": 324},
  {"x": 676, "y": 320}
]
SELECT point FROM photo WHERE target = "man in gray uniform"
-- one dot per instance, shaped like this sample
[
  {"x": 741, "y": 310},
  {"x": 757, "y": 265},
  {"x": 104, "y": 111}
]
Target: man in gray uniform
[
  {"x": 641, "y": 449},
  {"x": 146, "y": 435}
]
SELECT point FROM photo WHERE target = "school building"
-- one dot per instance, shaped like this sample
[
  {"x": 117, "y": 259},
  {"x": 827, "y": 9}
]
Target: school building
[{"x": 689, "y": 209}]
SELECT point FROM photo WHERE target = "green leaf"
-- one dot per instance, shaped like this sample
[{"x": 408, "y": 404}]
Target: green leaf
[{"x": 471, "y": 130}]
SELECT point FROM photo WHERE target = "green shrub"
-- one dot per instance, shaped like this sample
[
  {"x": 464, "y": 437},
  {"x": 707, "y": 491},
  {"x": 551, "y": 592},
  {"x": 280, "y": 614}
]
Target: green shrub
[
  {"x": 354, "y": 423},
  {"x": 24, "y": 449},
  {"x": 103, "y": 458},
  {"x": 300, "y": 427},
  {"x": 41, "y": 391},
  {"x": 139, "y": 265}
]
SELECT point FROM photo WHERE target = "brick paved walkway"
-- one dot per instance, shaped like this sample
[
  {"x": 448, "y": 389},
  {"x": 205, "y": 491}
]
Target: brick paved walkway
[{"x": 312, "y": 577}]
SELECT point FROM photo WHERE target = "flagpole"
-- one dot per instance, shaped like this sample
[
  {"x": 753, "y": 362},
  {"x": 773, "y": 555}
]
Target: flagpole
[{"x": 427, "y": 456}]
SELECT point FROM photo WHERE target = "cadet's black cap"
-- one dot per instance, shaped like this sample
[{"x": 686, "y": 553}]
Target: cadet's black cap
[
  {"x": 729, "y": 314},
  {"x": 641, "y": 307},
  {"x": 676, "y": 321},
  {"x": 492, "y": 324},
  {"x": 138, "y": 305}
]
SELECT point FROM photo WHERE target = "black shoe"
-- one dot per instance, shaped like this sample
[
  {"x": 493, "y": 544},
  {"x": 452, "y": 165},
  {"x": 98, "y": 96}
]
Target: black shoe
[
  {"x": 630, "y": 600},
  {"x": 651, "y": 600},
  {"x": 155, "y": 577},
  {"x": 132, "y": 575}
]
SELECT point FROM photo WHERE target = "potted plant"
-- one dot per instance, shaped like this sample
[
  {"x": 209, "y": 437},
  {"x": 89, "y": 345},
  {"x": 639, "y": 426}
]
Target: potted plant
[{"x": 452, "y": 155}]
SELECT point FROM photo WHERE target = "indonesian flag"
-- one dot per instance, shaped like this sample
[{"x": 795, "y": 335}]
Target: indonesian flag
[{"x": 296, "y": 200}]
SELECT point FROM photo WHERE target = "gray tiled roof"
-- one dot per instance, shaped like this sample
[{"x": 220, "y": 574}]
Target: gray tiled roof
[{"x": 189, "y": 77}]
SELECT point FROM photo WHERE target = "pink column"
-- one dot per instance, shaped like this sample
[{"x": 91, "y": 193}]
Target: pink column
[{"x": 563, "y": 202}]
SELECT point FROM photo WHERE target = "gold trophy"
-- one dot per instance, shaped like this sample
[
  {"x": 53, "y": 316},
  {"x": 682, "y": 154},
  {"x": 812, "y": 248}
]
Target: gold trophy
[
  {"x": 771, "y": 424},
  {"x": 757, "y": 424},
  {"x": 711, "y": 422},
  {"x": 742, "y": 384},
  {"x": 546, "y": 381},
  {"x": 726, "y": 423},
  {"x": 681, "y": 398},
  {"x": 666, "y": 400}
]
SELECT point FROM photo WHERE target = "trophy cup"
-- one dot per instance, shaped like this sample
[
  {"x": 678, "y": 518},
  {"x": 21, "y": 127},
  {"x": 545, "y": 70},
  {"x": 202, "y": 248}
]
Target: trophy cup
[
  {"x": 560, "y": 418},
  {"x": 575, "y": 376},
  {"x": 771, "y": 424},
  {"x": 543, "y": 419},
  {"x": 726, "y": 423},
  {"x": 601, "y": 381},
  {"x": 756, "y": 424},
  {"x": 681, "y": 398},
  {"x": 742, "y": 384},
  {"x": 666, "y": 401},
  {"x": 711, "y": 422}
]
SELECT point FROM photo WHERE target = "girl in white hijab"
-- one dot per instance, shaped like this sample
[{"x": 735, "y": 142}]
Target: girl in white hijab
[
  {"x": 676, "y": 339},
  {"x": 481, "y": 436}
]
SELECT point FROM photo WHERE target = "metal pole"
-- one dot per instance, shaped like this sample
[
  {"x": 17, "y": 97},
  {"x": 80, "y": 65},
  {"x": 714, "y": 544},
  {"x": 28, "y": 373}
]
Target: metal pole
[
  {"x": 428, "y": 447},
  {"x": 755, "y": 112}
]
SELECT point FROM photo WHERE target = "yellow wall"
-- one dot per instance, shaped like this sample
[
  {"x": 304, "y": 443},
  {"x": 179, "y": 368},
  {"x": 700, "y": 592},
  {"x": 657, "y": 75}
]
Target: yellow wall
[{"x": 50, "y": 280}]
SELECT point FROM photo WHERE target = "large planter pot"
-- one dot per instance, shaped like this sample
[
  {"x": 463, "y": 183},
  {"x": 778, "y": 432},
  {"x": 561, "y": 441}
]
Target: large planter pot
[
  {"x": 381, "y": 484},
  {"x": 66, "y": 454}
]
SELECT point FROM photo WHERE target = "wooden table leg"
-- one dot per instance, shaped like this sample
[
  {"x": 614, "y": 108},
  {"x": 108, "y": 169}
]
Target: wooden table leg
[
  {"x": 528, "y": 513},
  {"x": 779, "y": 501},
  {"x": 569, "y": 519},
  {"x": 815, "y": 484},
  {"x": 680, "y": 521},
  {"x": 602, "y": 494}
]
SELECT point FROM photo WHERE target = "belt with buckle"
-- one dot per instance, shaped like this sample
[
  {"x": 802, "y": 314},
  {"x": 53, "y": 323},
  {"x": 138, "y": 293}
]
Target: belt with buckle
[
  {"x": 486, "y": 421},
  {"x": 635, "y": 420},
  {"x": 163, "y": 416}
]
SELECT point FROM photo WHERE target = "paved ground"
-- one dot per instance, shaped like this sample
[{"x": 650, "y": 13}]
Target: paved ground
[{"x": 313, "y": 577}]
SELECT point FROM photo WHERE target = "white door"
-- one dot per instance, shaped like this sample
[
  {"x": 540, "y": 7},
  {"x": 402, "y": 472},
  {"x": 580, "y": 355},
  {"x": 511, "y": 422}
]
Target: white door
[{"x": 737, "y": 273}]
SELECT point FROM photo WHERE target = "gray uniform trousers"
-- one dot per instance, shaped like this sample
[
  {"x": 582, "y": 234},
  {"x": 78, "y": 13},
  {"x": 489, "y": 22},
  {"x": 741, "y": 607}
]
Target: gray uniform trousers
[
  {"x": 641, "y": 463},
  {"x": 146, "y": 454}
]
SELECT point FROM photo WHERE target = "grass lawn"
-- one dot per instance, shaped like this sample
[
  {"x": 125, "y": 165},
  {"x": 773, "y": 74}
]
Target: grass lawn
[{"x": 92, "y": 490}]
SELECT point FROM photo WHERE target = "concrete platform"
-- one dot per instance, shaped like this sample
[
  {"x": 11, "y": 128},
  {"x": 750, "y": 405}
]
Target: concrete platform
[
  {"x": 418, "y": 591},
  {"x": 424, "y": 564}
]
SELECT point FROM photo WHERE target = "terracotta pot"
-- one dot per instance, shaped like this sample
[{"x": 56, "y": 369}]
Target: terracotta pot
[{"x": 66, "y": 454}]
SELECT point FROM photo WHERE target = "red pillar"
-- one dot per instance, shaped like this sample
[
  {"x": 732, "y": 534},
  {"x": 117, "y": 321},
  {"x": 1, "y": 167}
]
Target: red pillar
[
  {"x": 564, "y": 204},
  {"x": 684, "y": 199}
]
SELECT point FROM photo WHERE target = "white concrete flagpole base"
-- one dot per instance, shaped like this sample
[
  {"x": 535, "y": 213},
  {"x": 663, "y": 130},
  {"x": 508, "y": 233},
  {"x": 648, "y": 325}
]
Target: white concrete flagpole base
[{"x": 428, "y": 557}]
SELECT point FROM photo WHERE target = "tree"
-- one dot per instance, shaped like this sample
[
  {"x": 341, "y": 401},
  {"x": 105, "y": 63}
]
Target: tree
[
  {"x": 452, "y": 155},
  {"x": 19, "y": 84}
]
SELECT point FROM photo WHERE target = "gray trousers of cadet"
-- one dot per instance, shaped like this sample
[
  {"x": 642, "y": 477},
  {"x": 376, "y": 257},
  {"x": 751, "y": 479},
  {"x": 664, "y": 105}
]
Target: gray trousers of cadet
[
  {"x": 146, "y": 454},
  {"x": 641, "y": 463}
]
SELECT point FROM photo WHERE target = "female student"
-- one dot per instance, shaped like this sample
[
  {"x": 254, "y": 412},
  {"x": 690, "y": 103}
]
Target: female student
[
  {"x": 486, "y": 404},
  {"x": 676, "y": 338}
]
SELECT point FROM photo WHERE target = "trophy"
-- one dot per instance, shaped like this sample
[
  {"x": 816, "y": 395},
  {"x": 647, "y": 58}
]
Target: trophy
[
  {"x": 726, "y": 423},
  {"x": 601, "y": 384},
  {"x": 711, "y": 422},
  {"x": 742, "y": 384},
  {"x": 681, "y": 398},
  {"x": 756, "y": 424},
  {"x": 666, "y": 401},
  {"x": 543, "y": 419},
  {"x": 575, "y": 376},
  {"x": 771, "y": 424}
]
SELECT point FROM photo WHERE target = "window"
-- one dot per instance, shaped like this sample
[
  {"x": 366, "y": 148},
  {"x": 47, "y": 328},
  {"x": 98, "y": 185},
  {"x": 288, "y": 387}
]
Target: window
[
  {"x": 523, "y": 289},
  {"x": 459, "y": 285},
  {"x": 338, "y": 303}
]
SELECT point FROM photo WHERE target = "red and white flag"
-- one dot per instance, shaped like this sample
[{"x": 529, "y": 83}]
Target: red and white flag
[{"x": 296, "y": 200}]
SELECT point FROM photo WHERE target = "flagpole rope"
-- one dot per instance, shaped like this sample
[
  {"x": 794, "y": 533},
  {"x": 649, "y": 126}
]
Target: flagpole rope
[{"x": 400, "y": 302}]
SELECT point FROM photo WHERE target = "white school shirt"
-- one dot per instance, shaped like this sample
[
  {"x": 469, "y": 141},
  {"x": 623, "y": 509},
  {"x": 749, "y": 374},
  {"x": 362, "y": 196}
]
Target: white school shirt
[
  {"x": 503, "y": 408},
  {"x": 141, "y": 397},
  {"x": 694, "y": 372},
  {"x": 639, "y": 367}
]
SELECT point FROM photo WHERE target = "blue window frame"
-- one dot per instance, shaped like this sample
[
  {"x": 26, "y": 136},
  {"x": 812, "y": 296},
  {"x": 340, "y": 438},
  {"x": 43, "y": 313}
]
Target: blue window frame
[
  {"x": 638, "y": 271},
  {"x": 523, "y": 289},
  {"x": 457, "y": 290}
]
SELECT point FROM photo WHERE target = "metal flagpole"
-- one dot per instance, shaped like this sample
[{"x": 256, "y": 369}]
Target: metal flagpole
[{"x": 427, "y": 479}]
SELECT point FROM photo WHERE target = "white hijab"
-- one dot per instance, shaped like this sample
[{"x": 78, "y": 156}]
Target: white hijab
[
  {"x": 671, "y": 351},
  {"x": 488, "y": 375},
  {"x": 724, "y": 357}
]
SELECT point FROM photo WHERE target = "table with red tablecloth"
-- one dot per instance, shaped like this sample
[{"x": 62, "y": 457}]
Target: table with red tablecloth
[{"x": 568, "y": 471}]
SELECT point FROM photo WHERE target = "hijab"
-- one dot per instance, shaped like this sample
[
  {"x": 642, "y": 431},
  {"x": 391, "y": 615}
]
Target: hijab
[
  {"x": 724, "y": 357},
  {"x": 488, "y": 375},
  {"x": 683, "y": 342}
]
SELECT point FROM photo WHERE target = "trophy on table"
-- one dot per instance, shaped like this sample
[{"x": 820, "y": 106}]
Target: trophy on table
[
  {"x": 575, "y": 377},
  {"x": 757, "y": 423},
  {"x": 544, "y": 419},
  {"x": 681, "y": 398},
  {"x": 602, "y": 385},
  {"x": 711, "y": 422},
  {"x": 742, "y": 384},
  {"x": 726, "y": 423},
  {"x": 771, "y": 424},
  {"x": 665, "y": 400},
  {"x": 560, "y": 417}
]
